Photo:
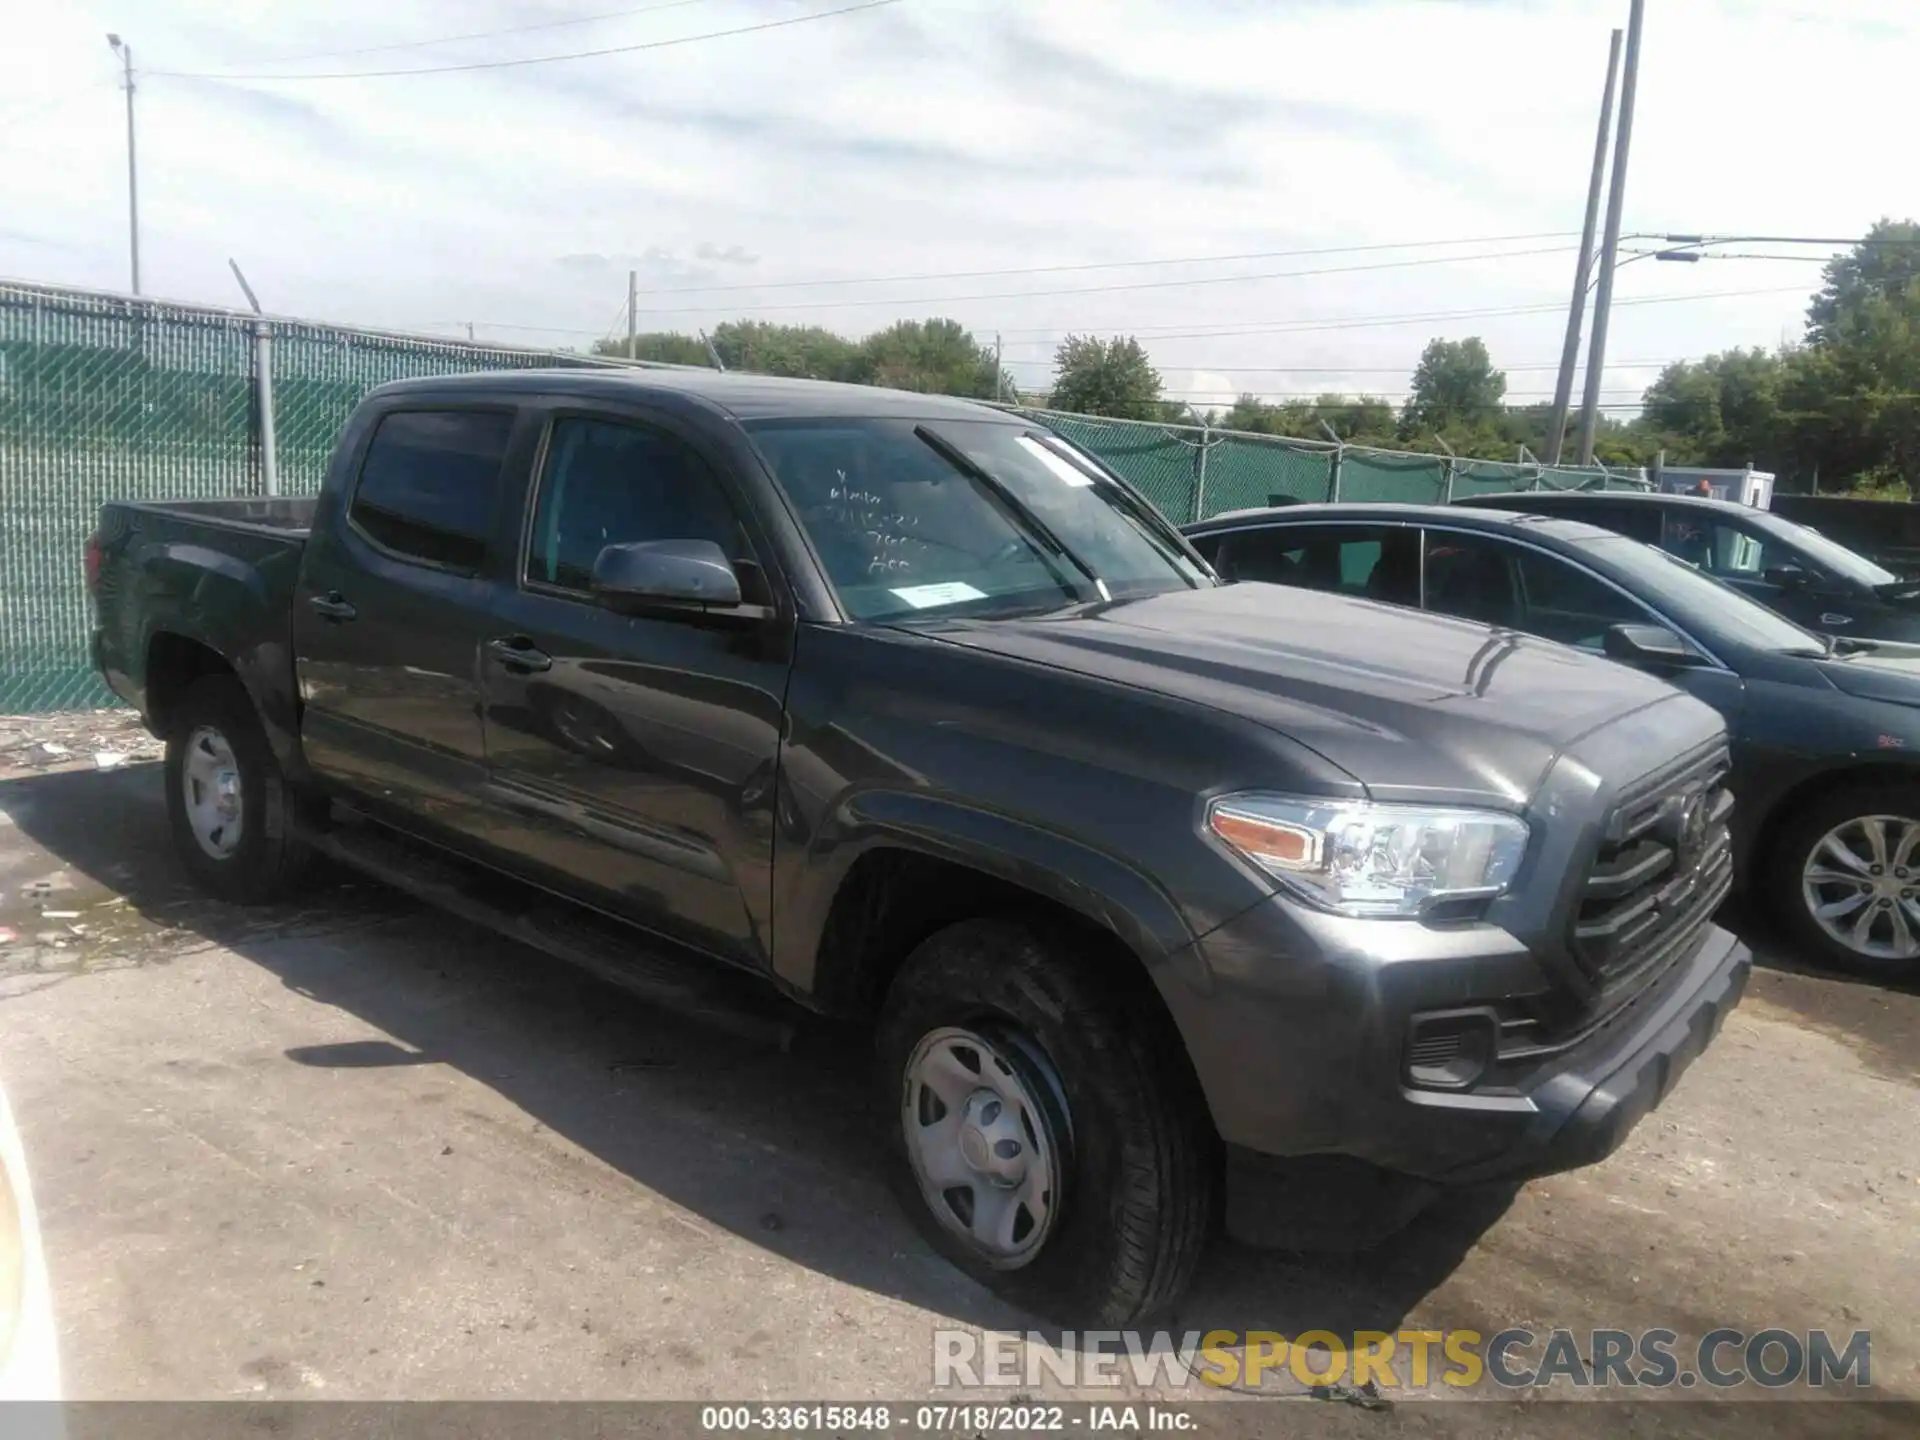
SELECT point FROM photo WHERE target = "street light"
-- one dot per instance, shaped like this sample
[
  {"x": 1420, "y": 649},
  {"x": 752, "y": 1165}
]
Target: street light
[{"x": 125, "y": 52}]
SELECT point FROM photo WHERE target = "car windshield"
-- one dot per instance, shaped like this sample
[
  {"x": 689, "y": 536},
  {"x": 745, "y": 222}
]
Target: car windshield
[
  {"x": 1830, "y": 555},
  {"x": 973, "y": 517},
  {"x": 1704, "y": 604}
]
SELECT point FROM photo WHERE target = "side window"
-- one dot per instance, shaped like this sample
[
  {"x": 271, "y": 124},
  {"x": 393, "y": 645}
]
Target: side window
[
  {"x": 1368, "y": 562},
  {"x": 609, "y": 483},
  {"x": 429, "y": 488},
  {"x": 1273, "y": 556},
  {"x": 1636, "y": 522},
  {"x": 1731, "y": 552},
  {"x": 1471, "y": 578},
  {"x": 1569, "y": 605}
]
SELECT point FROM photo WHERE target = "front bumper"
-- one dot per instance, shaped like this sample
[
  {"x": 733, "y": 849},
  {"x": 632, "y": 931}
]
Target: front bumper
[{"x": 1304, "y": 1066}]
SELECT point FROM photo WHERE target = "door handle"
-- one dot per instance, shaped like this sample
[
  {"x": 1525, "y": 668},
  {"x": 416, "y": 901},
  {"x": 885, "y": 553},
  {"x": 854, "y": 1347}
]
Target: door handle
[
  {"x": 331, "y": 606},
  {"x": 516, "y": 652}
]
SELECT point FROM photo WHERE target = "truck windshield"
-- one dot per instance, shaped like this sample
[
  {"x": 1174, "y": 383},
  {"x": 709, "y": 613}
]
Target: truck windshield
[{"x": 970, "y": 517}]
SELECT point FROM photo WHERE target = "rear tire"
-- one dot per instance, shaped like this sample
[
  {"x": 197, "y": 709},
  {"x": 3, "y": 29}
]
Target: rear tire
[
  {"x": 1824, "y": 859},
  {"x": 230, "y": 808},
  {"x": 1088, "y": 1132}
]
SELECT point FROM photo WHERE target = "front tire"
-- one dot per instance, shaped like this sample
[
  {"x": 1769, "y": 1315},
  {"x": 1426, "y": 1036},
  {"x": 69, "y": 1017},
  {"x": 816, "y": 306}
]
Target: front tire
[
  {"x": 1044, "y": 1132},
  {"x": 229, "y": 806},
  {"x": 1845, "y": 876}
]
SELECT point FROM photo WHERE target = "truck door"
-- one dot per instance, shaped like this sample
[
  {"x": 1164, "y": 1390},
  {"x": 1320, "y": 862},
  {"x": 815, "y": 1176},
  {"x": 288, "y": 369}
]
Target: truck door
[
  {"x": 633, "y": 756},
  {"x": 389, "y": 613}
]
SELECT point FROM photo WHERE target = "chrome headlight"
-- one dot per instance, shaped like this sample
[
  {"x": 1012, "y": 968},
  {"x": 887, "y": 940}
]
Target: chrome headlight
[{"x": 1357, "y": 858}]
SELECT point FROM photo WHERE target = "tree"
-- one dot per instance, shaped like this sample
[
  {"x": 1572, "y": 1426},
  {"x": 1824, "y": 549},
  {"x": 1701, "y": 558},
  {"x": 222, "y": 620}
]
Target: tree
[
  {"x": 1724, "y": 410},
  {"x": 670, "y": 347},
  {"x": 1454, "y": 385},
  {"x": 1884, "y": 266},
  {"x": 808, "y": 352},
  {"x": 939, "y": 357},
  {"x": 1111, "y": 377}
]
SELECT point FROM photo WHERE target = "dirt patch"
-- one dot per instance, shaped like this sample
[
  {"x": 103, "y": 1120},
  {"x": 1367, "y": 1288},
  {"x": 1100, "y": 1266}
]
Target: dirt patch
[{"x": 73, "y": 740}]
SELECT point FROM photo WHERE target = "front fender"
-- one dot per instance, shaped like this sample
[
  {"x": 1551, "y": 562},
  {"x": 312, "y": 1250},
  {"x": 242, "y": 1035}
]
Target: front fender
[{"x": 1064, "y": 869}]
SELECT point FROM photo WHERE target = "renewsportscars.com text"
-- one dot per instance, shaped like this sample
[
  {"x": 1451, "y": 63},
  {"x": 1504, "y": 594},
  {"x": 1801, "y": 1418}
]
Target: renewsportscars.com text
[{"x": 1408, "y": 1359}]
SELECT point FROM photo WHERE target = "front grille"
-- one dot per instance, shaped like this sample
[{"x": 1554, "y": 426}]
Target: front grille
[{"x": 1665, "y": 864}]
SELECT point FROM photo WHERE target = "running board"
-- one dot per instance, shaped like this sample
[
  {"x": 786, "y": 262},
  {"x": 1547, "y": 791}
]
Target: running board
[{"x": 707, "y": 991}]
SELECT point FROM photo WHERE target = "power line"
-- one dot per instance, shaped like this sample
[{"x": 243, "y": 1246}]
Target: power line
[
  {"x": 1108, "y": 265},
  {"x": 1131, "y": 285},
  {"x": 1366, "y": 369},
  {"x": 1278, "y": 328},
  {"x": 480, "y": 34},
  {"x": 534, "y": 59},
  {"x": 1365, "y": 321}
]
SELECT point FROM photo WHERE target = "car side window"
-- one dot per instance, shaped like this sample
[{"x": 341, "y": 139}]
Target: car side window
[
  {"x": 1471, "y": 578},
  {"x": 1371, "y": 562},
  {"x": 614, "y": 483},
  {"x": 429, "y": 487},
  {"x": 1723, "y": 550},
  {"x": 1636, "y": 522},
  {"x": 1565, "y": 603}
]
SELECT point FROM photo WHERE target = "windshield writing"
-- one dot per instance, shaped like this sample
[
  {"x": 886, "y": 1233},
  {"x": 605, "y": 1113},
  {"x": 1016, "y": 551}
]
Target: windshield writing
[{"x": 966, "y": 516}]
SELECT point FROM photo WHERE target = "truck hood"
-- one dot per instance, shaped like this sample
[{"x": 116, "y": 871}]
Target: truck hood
[{"x": 1413, "y": 706}]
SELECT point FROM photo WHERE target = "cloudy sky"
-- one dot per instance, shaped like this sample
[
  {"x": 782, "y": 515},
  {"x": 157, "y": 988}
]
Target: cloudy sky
[{"x": 1282, "y": 196}]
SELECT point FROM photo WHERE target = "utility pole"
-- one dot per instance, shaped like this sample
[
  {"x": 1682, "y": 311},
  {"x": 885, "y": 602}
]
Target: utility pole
[
  {"x": 633, "y": 314},
  {"x": 125, "y": 52},
  {"x": 999, "y": 375},
  {"x": 1609, "y": 257},
  {"x": 1583, "y": 270}
]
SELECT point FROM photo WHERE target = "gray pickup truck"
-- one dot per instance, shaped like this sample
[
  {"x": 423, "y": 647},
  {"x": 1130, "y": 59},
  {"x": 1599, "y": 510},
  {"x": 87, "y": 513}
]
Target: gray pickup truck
[{"x": 1152, "y": 890}]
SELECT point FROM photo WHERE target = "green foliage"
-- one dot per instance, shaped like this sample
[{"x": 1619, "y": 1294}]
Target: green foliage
[
  {"x": 666, "y": 346},
  {"x": 1454, "y": 387},
  {"x": 806, "y": 352},
  {"x": 1105, "y": 377},
  {"x": 939, "y": 357},
  {"x": 1843, "y": 406},
  {"x": 1885, "y": 266}
]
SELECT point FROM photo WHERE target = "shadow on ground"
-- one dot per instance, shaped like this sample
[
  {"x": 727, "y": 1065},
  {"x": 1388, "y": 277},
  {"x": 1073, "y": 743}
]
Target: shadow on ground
[{"x": 773, "y": 1146}]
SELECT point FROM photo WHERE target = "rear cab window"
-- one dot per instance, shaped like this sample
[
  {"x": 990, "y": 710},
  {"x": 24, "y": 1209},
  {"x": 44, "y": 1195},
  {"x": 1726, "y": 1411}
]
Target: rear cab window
[{"x": 429, "y": 485}]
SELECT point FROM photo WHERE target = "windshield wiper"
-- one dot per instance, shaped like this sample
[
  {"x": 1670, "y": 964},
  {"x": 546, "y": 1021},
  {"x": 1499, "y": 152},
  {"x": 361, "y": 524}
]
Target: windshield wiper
[
  {"x": 1022, "y": 513},
  {"x": 1144, "y": 516}
]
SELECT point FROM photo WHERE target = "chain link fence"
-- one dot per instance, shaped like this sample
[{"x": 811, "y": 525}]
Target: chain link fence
[
  {"x": 108, "y": 397},
  {"x": 1195, "y": 472}
]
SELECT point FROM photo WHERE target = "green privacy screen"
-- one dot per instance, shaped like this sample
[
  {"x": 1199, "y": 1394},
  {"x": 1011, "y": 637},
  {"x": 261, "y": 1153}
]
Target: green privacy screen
[
  {"x": 105, "y": 397},
  {"x": 108, "y": 398}
]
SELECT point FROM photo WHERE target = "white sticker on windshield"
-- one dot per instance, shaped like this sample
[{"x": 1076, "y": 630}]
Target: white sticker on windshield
[
  {"x": 1064, "y": 470},
  {"x": 953, "y": 592}
]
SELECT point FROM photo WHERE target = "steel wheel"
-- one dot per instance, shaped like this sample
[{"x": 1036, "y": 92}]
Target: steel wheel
[
  {"x": 983, "y": 1143},
  {"x": 1861, "y": 885},
  {"x": 210, "y": 785}
]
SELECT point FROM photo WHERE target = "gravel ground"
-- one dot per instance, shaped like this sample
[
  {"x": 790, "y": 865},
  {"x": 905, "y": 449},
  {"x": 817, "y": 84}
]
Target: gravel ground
[{"x": 350, "y": 1149}]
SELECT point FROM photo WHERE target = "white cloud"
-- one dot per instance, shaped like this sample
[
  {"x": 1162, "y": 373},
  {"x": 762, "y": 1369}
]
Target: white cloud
[{"x": 938, "y": 135}]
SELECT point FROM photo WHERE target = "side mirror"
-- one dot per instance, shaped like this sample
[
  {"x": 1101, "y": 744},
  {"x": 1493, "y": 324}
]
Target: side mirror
[
  {"x": 1652, "y": 645},
  {"x": 693, "y": 574},
  {"x": 1786, "y": 577}
]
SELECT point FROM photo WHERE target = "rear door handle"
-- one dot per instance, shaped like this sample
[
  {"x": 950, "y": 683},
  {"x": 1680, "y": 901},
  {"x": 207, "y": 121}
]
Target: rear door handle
[
  {"x": 516, "y": 652},
  {"x": 331, "y": 606}
]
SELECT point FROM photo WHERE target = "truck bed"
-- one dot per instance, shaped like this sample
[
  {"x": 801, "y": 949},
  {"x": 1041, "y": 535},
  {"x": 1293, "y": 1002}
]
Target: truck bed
[
  {"x": 287, "y": 515},
  {"x": 217, "y": 574}
]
